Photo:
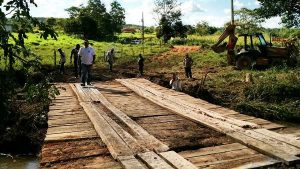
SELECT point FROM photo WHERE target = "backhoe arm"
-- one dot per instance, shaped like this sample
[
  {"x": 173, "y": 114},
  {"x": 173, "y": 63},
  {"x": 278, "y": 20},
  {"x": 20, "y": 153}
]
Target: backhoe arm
[{"x": 229, "y": 31}]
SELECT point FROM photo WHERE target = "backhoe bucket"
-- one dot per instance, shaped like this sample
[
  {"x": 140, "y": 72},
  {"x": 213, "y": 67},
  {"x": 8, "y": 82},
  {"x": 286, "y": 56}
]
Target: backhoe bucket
[{"x": 220, "y": 48}]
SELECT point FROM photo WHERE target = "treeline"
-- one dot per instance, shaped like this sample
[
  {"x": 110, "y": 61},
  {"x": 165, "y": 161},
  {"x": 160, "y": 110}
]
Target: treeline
[{"x": 94, "y": 21}]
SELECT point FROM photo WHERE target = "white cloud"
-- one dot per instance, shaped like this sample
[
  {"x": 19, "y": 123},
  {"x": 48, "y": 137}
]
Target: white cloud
[
  {"x": 238, "y": 4},
  {"x": 272, "y": 23},
  {"x": 227, "y": 11},
  {"x": 191, "y": 7}
]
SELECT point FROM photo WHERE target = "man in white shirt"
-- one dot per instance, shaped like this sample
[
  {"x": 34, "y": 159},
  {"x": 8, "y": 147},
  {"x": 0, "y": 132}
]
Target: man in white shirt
[{"x": 87, "y": 56}]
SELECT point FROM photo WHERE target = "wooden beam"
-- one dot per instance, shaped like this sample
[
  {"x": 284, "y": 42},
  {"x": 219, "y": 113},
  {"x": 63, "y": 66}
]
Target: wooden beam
[
  {"x": 115, "y": 144},
  {"x": 153, "y": 161},
  {"x": 177, "y": 161},
  {"x": 130, "y": 162},
  {"x": 280, "y": 137},
  {"x": 264, "y": 148},
  {"x": 143, "y": 136}
]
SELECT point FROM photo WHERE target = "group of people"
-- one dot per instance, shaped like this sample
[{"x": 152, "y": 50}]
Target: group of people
[{"x": 84, "y": 57}]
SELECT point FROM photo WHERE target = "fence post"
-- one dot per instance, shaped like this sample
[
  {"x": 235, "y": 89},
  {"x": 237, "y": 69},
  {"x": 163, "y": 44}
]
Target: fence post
[
  {"x": 54, "y": 57},
  {"x": 104, "y": 56}
]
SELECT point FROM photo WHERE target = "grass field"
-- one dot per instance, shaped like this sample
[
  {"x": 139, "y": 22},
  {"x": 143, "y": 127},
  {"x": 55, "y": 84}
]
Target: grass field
[{"x": 274, "y": 93}]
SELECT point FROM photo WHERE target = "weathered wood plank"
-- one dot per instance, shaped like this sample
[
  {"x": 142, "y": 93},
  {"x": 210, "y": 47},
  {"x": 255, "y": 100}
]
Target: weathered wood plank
[
  {"x": 63, "y": 113},
  {"x": 130, "y": 162},
  {"x": 280, "y": 137},
  {"x": 72, "y": 128},
  {"x": 70, "y": 136},
  {"x": 264, "y": 148},
  {"x": 177, "y": 161},
  {"x": 70, "y": 121},
  {"x": 153, "y": 161},
  {"x": 255, "y": 160},
  {"x": 128, "y": 139},
  {"x": 213, "y": 150},
  {"x": 80, "y": 93},
  {"x": 114, "y": 143},
  {"x": 143, "y": 136}
]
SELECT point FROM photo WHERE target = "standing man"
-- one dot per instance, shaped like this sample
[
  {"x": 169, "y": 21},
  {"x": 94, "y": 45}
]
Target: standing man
[
  {"x": 141, "y": 64},
  {"x": 87, "y": 56},
  {"x": 62, "y": 61},
  {"x": 76, "y": 62},
  {"x": 110, "y": 58},
  {"x": 187, "y": 63}
]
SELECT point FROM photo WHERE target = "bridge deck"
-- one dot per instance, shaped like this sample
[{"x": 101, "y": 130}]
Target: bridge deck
[{"x": 133, "y": 123}]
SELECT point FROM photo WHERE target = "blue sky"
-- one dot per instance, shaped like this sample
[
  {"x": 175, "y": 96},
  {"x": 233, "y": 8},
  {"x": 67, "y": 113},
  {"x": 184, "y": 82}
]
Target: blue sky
[{"x": 215, "y": 12}]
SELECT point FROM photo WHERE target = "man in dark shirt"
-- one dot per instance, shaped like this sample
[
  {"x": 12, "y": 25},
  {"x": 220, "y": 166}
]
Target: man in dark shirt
[
  {"x": 76, "y": 62},
  {"x": 141, "y": 64}
]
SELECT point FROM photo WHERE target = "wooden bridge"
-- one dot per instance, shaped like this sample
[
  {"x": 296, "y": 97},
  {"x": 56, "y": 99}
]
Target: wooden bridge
[{"x": 133, "y": 124}]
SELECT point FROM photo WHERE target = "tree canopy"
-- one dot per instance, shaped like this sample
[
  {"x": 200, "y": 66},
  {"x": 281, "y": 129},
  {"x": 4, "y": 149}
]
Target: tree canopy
[
  {"x": 288, "y": 10},
  {"x": 94, "y": 21},
  {"x": 170, "y": 24}
]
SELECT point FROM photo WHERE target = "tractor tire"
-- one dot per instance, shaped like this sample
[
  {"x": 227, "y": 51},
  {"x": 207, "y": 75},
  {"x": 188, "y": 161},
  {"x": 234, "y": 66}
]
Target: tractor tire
[{"x": 244, "y": 62}]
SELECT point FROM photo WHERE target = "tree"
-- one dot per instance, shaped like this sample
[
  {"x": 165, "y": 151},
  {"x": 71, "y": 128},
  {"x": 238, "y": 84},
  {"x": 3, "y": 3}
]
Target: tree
[
  {"x": 248, "y": 20},
  {"x": 95, "y": 21},
  {"x": 51, "y": 22},
  {"x": 288, "y": 10},
  {"x": 170, "y": 24},
  {"x": 117, "y": 14},
  {"x": 165, "y": 30},
  {"x": 202, "y": 28},
  {"x": 14, "y": 49}
]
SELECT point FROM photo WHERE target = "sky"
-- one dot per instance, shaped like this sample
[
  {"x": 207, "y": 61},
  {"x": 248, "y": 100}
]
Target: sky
[{"x": 215, "y": 12}]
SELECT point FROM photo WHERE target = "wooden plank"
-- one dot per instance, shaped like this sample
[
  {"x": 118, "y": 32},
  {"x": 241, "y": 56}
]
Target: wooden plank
[
  {"x": 66, "y": 107},
  {"x": 79, "y": 92},
  {"x": 274, "y": 142},
  {"x": 257, "y": 160},
  {"x": 62, "y": 113},
  {"x": 193, "y": 107},
  {"x": 62, "y": 122},
  {"x": 213, "y": 150},
  {"x": 115, "y": 144},
  {"x": 70, "y": 136},
  {"x": 264, "y": 148},
  {"x": 130, "y": 162},
  {"x": 143, "y": 136},
  {"x": 153, "y": 161},
  {"x": 177, "y": 161},
  {"x": 68, "y": 116},
  {"x": 259, "y": 121},
  {"x": 72, "y": 128},
  {"x": 216, "y": 158},
  {"x": 280, "y": 137},
  {"x": 273, "y": 126},
  {"x": 128, "y": 139},
  {"x": 76, "y": 92}
]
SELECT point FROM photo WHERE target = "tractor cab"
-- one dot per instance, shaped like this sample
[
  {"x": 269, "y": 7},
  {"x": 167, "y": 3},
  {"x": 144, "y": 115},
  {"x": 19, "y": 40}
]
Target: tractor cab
[{"x": 260, "y": 53}]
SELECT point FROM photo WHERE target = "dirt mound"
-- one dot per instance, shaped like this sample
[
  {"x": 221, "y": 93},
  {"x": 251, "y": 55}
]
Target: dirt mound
[
  {"x": 177, "y": 51},
  {"x": 185, "y": 49}
]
